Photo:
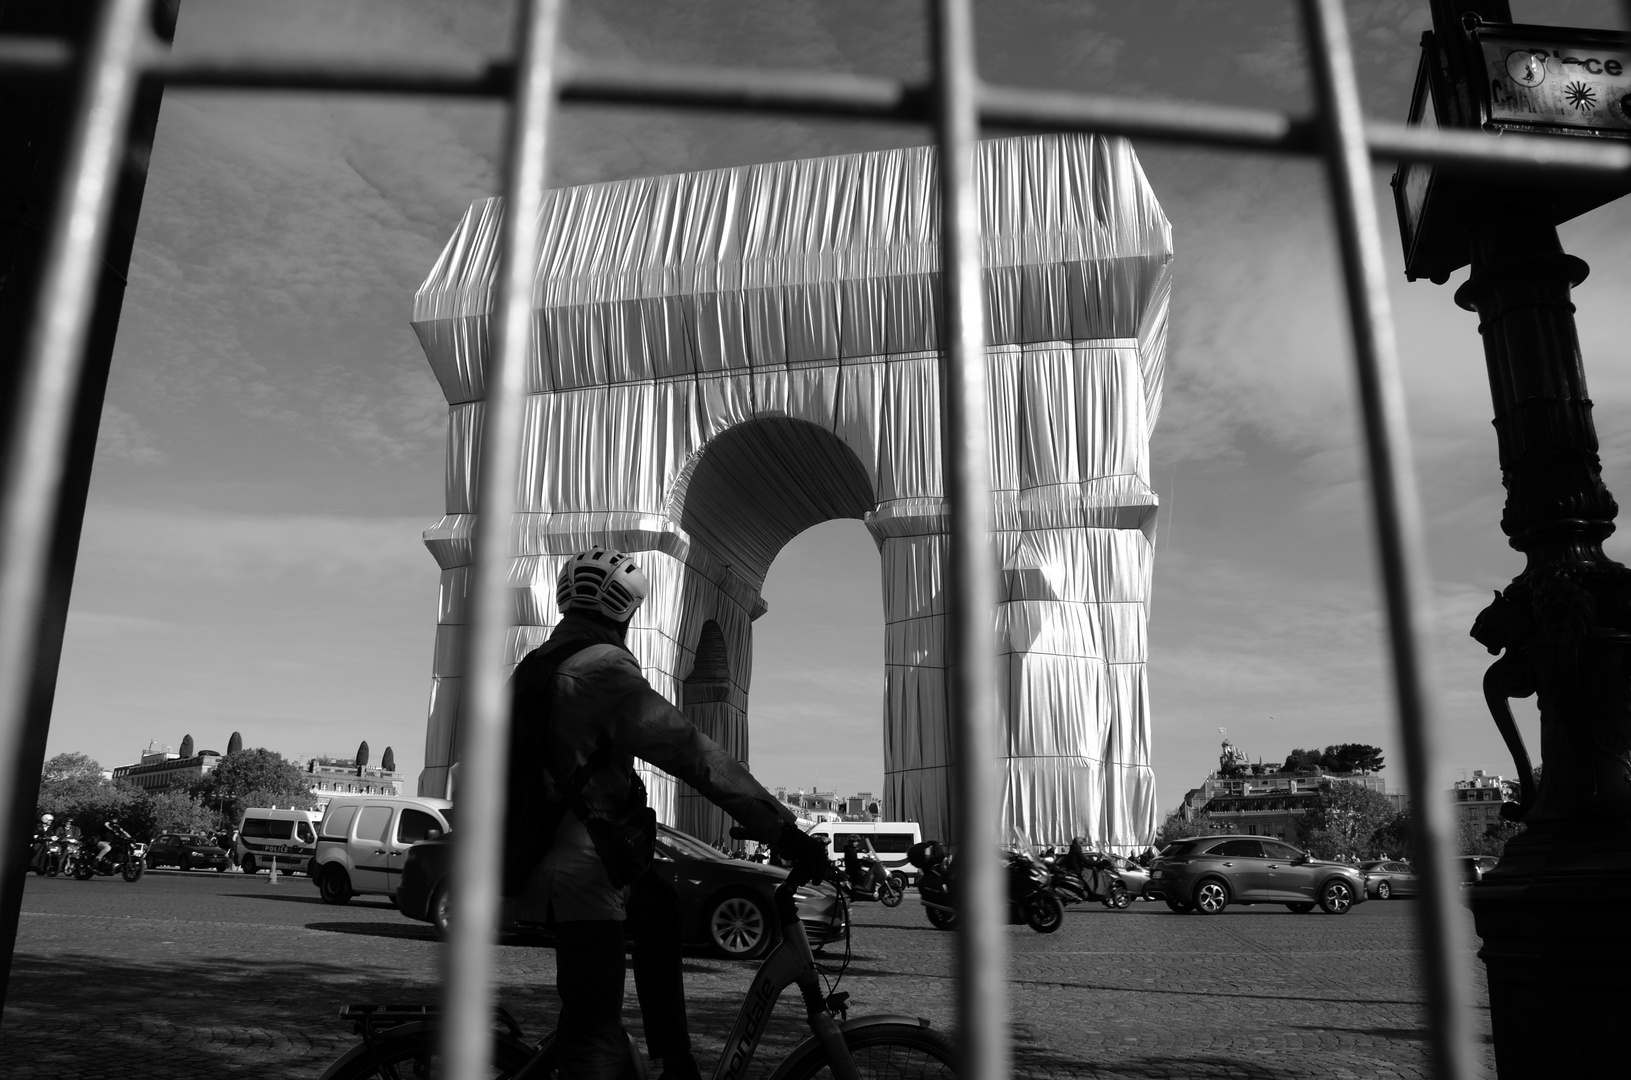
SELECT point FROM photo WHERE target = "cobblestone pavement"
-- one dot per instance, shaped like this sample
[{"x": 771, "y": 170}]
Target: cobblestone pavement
[{"x": 209, "y": 974}]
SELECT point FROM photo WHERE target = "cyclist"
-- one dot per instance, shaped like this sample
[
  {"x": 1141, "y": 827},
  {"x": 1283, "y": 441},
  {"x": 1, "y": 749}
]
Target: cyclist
[{"x": 581, "y": 695}]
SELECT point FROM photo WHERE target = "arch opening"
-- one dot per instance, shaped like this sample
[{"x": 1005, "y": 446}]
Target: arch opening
[{"x": 758, "y": 485}]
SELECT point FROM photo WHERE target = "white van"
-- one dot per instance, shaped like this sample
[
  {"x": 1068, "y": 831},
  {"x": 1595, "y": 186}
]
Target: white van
[
  {"x": 363, "y": 842},
  {"x": 265, "y": 836},
  {"x": 890, "y": 839}
]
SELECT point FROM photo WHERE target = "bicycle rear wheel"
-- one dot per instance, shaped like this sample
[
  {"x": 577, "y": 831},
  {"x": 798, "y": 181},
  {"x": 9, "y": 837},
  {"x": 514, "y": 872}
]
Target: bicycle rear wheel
[
  {"x": 881, "y": 1052},
  {"x": 415, "y": 1051}
]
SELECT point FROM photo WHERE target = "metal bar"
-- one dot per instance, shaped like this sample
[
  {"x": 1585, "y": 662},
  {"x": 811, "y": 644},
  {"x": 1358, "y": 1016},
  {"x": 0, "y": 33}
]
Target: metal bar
[
  {"x": 1396, "y": 511},
  {"x": 485, "y": 712},
  {"x": 36, "y": 451},
  {"x": 982, "y": 962},
  {"x": 816, "y": 93},
  {"x": 25, "y": 57}
]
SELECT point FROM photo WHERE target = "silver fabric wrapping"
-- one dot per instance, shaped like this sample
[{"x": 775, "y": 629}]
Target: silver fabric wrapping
[{"x": 724, "y": 359}]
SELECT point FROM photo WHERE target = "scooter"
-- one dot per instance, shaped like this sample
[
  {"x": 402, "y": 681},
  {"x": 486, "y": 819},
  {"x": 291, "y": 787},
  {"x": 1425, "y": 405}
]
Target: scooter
[
  {"x": 126, "y": 857},
  {"x": 1030, "y": 898},
  {"x": 877, "y": 884}
]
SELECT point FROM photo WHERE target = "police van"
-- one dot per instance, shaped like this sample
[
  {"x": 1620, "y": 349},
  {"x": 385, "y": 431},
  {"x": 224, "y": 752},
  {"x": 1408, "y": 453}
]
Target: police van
[
  {"x": 890, "y": 839},
  {"x": 267, "y": 835}
]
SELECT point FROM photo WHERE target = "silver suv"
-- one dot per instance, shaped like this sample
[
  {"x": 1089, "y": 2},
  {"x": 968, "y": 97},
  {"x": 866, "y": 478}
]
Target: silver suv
[{"x": 1208, "y": 873}]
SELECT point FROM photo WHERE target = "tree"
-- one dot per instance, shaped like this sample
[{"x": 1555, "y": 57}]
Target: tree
[
  {"x": 1342, "y": 819},
  {"x": 1301, "y": 761},
  {"x": 256, "y": 777},
  {"x": 1394, "y": 837},
  {"x": 186, "y": 746},
  {"x": 74, "y": 791},
  {"x": 362, "y": 755},
  {"x": 387, "y": 760},
  {"x": 70, "y": 765},
  {"x": 172, "y": 811},
  {"x": 1352, "y": 757},
  {"x": 1478, "y": 838},
  {"x": 1176, "y": 828}
]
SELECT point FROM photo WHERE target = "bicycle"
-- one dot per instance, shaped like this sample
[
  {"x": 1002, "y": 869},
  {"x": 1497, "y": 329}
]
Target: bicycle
[{"x": 399, "y": 1042}]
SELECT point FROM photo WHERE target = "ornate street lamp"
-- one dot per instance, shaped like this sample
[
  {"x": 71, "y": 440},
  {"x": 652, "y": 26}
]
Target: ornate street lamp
[{"x": 1556, "y": 942}]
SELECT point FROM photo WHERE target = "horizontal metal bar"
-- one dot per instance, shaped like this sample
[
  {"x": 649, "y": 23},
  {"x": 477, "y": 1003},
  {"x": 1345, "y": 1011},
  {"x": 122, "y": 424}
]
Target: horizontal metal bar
[
  {"x": 758, "y": 89},
  {"x": 1531, "y": 158},
  {"x": 1552, "y": 159},
  {"x": 475, "y": 78},
  {"x": 1183, "y": 121},
  {"x": 1528, "y": 157},
  {"x": 35, "y": 57}
]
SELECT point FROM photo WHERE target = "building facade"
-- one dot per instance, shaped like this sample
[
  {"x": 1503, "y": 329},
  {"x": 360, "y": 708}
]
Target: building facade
[
  {"x": 1478, "y": 800},
  {"x": 159, "y": 770},
  {"x": 329, "y": 776},
  {"x": 1257, "y": 801}
]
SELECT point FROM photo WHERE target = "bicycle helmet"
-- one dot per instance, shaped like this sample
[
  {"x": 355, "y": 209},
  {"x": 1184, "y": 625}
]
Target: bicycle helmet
[{"x": 608, "y": 583}]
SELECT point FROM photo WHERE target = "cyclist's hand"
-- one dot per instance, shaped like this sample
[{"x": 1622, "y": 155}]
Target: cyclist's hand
[{"x": 807, "y": 854}]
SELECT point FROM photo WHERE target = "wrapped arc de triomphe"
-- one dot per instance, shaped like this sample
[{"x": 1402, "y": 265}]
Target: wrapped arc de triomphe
[{"x": 724, "y": 359}]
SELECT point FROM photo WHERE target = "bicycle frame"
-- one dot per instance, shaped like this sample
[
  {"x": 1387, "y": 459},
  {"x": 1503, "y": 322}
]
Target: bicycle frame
[{"x": 791, "y": 961}]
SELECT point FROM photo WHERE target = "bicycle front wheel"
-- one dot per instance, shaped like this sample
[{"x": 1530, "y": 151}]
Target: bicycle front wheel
[
  {"x": 881, "y": 1052},
  {"x": 415, "y": 1051}
]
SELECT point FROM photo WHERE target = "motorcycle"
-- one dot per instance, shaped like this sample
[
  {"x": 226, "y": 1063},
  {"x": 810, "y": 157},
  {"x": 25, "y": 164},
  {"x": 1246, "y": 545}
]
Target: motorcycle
[
  {"x": 126, "y": 857},
  {"x": 1099, "y": 882},
  {"x": 1031, "y": 900},
  {"x": 1068, "y": 887},
  {"x": 876, "y": 884},
  {"x": 68, "y": 858}
]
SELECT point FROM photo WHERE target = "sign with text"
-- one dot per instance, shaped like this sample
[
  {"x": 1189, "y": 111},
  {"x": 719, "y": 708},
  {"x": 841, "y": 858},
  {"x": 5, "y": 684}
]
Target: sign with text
[{"x": 1554, "y": 79}]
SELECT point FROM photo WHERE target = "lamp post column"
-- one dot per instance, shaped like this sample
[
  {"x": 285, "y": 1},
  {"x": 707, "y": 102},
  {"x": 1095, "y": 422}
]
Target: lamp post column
[{"x": 1556, "y": 940}]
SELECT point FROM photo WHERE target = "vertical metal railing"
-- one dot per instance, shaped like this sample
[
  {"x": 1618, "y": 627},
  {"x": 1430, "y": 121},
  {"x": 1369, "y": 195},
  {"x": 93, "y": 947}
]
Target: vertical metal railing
[
  {"x": 954, "y": 100},
  {"x": 1396, "y": 513},
  {"x": 982, "y": 992},
  {"x": 485, "y": 707},
  {"x": 36, "y": 450}
]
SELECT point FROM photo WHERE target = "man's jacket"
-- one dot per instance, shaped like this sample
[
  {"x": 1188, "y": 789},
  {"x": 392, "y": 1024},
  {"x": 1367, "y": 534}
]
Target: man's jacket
[{"x": 597, "y": 697}]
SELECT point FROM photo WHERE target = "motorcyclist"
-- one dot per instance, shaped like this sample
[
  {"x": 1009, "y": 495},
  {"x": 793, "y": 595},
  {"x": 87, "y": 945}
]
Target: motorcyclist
[
  {"x": 110, "y": 828},
  {"x": 1074, "y": 860},
  {"x": 852, "y": 864},
  {"x": 41, "y": 840},
  {"x": 568, "y": 707}
]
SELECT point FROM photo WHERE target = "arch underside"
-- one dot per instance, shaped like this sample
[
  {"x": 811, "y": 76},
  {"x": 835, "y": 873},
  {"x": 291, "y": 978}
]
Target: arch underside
[{"x": 726, "y": 359}]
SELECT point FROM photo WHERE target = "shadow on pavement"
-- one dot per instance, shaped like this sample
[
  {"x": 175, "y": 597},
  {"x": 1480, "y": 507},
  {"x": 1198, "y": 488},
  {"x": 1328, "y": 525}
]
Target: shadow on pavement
[{"x": 201, "y": 1016}]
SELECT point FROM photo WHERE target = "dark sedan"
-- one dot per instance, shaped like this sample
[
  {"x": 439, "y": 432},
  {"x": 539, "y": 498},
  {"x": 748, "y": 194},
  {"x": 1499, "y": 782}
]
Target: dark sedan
[
  {"x": 725, "y": 903},
  {"x": 1385, "y": 879},
  {"x": 187, "y": 852}
]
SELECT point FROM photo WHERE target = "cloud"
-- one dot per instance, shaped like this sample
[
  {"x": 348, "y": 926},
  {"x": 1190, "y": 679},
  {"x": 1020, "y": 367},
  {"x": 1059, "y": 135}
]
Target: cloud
[
  {"x": 211, "y": 546},
  {"x": 120, "y": 437}
]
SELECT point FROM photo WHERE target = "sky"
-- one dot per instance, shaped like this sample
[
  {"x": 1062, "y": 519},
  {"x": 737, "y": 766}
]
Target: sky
[{"x": 272, "y": 443}]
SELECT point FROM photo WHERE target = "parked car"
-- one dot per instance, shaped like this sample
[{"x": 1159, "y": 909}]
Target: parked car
[
  {"x": 725, "y": 903},
  {"x": 1385, "y": 879},
  {"x": 1474, "y": 867},
  {"x": 187, "y": 851},
  {"x": 362, "y": 843},
  {"x": 1208, "y": 873}
]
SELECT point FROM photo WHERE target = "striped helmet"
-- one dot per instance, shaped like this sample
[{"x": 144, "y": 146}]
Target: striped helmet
[{"x": 607, "y": 582}]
